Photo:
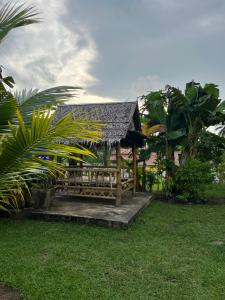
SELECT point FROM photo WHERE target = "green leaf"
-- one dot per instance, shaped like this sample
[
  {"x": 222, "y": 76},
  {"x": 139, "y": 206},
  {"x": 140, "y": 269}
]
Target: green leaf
[
  {"x": 43, "y": 100},
  {"x": 8, "y": 108},
  {"x": 13, "y": 16},
  {"x": 145, "y": 154},
  {"x": 9, "y": 81},
  {"x": 20, "y": 159},
  {"x": 212, "y": 89},
  {"x": 173, "y": 135}
]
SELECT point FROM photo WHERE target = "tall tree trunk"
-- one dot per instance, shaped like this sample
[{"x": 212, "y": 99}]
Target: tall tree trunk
[{"x": 170, "y": 157}]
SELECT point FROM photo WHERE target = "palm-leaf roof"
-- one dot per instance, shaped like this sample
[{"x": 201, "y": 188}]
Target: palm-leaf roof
[{"x": 118, "y": 118}]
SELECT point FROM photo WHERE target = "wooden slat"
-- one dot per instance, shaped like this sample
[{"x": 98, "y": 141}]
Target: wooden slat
[
  {"x": 127, "y": 181},
  {"x": 80, "y": 187},
  {"x": 87, "y": 196},
  {"x": 107, "y": 170}
]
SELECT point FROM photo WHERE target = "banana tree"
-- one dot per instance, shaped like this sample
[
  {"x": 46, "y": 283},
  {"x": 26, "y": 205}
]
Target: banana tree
[
  {"x": 202, "y": 110},
  {"x": 179, "y": 118},
  {"x": 163, "y": 124}
]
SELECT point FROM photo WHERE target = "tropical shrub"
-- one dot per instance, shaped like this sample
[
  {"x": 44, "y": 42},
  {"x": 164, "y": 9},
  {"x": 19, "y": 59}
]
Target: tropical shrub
[
  {"x": 191, "y": 179},
  {"x": 220, "y": 171},
  {"x": 150, "y": 180}
]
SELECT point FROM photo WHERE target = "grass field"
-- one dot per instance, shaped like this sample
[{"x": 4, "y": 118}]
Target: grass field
[{"x": 166, "y": 254}]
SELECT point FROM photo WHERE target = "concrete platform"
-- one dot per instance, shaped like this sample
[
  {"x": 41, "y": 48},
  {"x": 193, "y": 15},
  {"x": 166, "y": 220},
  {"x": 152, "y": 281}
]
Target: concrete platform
[{"x": 95, "y": 212}]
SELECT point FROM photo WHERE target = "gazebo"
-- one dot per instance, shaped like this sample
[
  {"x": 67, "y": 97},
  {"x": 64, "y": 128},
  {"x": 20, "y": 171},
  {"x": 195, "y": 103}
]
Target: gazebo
[{"x": 107, "y": 180}]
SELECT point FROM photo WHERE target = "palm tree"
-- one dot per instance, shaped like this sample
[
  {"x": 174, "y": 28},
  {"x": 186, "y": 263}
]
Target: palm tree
[{"x": 27, "y": 126}]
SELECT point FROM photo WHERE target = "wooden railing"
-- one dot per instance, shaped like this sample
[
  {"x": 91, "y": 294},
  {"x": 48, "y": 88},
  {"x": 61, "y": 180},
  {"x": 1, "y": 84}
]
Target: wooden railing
[{"x": 94, "y": 182}]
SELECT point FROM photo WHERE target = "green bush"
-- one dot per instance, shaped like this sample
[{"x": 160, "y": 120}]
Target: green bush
[
  {"x": 220, "y": 172},
  {"x": 191, "y": 179},
  {"x": 150, "y": 180}
]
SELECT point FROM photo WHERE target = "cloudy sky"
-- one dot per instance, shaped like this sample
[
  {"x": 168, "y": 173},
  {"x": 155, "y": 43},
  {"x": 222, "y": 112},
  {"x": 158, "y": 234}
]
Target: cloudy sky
[{"x": 119, "y": 49}]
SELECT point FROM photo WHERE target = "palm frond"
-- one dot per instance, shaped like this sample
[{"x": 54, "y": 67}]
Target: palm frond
[
  {"x": 21, "y": 155},
  {"x": 13, "y": 16},
  {"x": 42, "y": 100},
  {"x": 8, "y": 108},
  {"x": 147, "y": 130}
]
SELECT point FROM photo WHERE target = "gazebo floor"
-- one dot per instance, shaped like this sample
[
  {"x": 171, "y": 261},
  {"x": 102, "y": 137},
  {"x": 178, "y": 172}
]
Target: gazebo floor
[{"x": 89, "y": 211}]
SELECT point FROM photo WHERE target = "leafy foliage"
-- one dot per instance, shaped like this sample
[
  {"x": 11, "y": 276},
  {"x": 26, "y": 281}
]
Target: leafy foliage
[
  {"x": 150, "y": 180},
  {"x": 23, "y": 145},
  {"x": 211, "y": 147},
  {"x": 178, "y": 121},
  {"x": 50, "y": 98},
  {"x": 20, "y": 159},
  {"x": 191, "y": 179},
  {"x": 13, "y": 16},
  {"x": 173, "y": 120},
  {"x": 163, "y": 120}
]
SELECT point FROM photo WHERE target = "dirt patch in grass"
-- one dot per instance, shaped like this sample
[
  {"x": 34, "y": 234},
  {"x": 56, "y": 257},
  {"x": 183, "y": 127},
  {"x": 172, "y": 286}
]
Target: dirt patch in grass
[
  {"x": 9, "y": 293},
  {"x": 218, "y": 242}
]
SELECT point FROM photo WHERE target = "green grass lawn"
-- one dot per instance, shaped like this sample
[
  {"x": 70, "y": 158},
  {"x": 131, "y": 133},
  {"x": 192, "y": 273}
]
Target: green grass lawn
[{"x": 166, "y": 254}]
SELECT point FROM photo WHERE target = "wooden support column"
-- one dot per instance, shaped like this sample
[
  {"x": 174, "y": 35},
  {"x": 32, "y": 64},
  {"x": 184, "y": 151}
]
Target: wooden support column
[
  {"x": 118, "y": 177},
  {"x": 144, "y": 176},
  {"x": 134, "y": 152},
  {"x": 106, "y": 156}
]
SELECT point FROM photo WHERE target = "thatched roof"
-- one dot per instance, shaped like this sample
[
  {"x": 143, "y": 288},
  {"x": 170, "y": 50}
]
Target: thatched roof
[{"x": 119, "y": 118}]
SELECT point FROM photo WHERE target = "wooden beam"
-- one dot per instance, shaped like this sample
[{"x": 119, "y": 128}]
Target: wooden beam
[
  {"x": 118, "y": 177},
  {"x": 92, "y": 169},
  {"x": 134, "y": 153},
  {"x": 144, "y": 176}
]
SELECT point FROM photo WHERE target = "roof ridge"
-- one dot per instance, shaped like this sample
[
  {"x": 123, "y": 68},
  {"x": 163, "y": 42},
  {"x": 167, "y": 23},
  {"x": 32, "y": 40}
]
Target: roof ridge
[{"x": 98, "y": 103}]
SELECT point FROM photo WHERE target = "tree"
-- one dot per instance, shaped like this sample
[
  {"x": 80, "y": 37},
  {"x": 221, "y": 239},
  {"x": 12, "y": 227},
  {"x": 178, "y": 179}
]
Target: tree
[
  {"x": 27, "y": 126},
  {"x": 175, "y": 119},
  {"x": 164, "y": 125},
  {"x": 203, "y": 109},
  {"x": 210, "y": 147}
]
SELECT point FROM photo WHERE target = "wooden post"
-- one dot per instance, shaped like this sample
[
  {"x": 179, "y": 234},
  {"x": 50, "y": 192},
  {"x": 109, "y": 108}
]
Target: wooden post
[
  {"x": 144, "y": 176},
  {"x": 134, "y": 169},
  {"x": 118, "y": 177},
  {"x": 106, "y": 156}
]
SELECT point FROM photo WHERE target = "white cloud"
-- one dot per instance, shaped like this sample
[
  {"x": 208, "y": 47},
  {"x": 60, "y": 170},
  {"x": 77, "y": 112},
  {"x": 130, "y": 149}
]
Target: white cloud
[
  {"x": 50, "y": 53},
  {"x": 91, "y": 98}
]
